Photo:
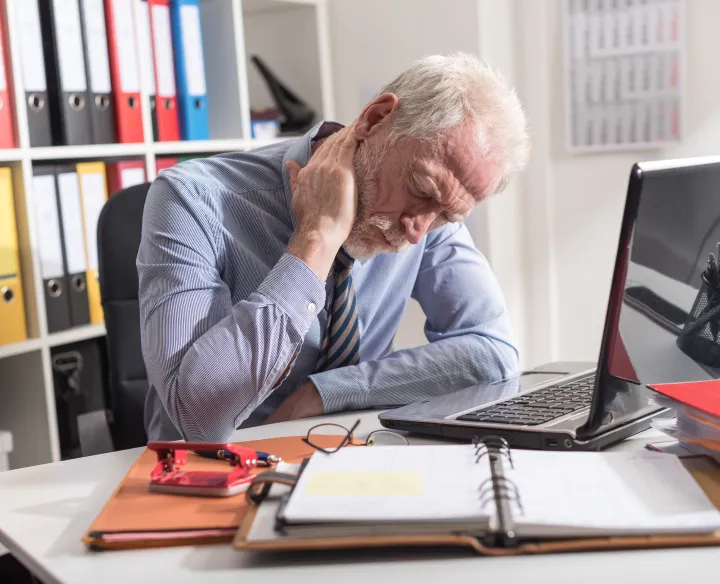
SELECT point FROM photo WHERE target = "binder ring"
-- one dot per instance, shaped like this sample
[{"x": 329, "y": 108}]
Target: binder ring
[
  {"x": 79, "y": 283},
  {"x": 132, "y": 102},
  {"x": 36, "y": 102},
  {"x": 495, "y": 482},
  {"x": 168, "y": 103},
  {"x": 102, "y": 102},
  {"x": 54, "y": 288},
  {"x": 7, "y": 294},
  {"x": 76, "y": 101},
  {"x": 502, "y": 495},
  {"x": 482, "y": 448}
]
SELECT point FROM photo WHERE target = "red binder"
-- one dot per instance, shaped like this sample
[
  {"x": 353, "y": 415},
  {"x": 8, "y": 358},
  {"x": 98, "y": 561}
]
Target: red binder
[
  {"x": 7, "y": 134},
  {"x": 168, "y": 123},
  {"x": 701, "y": 395},
  {"x": 164, "y": 163},
  {"x": 124, "y": 69},
  {"x": 124, "y": 174}
]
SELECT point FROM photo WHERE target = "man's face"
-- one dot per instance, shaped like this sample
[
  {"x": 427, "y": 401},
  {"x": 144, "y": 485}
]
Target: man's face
[{"x": 415, "y": 187}]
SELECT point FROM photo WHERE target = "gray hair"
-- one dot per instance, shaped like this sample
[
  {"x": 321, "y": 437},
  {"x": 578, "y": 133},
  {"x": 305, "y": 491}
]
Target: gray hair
[{"x": 439, "y": 92}]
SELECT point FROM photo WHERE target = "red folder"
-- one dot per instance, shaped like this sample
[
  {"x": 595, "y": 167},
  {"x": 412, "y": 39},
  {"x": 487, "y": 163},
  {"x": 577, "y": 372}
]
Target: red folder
[
  {"x": 124, "y": 174},
  {"x": 168, "y": 123},
  {"x": 701, "y": 395},
  {"x": 7, "y": 134},
  {"x": 163, "y": 163},
  {"x": 124, "y": 69}
]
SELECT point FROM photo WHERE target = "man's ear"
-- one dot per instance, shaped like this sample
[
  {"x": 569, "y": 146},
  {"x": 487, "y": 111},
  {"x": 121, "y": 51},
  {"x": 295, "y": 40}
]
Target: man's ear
[{"x": 376, "y": 115}]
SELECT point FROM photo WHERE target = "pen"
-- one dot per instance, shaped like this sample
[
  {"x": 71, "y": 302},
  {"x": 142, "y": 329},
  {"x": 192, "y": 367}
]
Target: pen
[{"x": 264, "y": 458}]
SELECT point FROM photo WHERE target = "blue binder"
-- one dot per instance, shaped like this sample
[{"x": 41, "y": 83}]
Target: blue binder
[{"x": 189, "y": 69}]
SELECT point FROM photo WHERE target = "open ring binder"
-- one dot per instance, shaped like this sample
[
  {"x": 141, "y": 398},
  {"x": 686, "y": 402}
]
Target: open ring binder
[
  {"x": 498, "y": 488},
  {"x": 399, "y": 496}
]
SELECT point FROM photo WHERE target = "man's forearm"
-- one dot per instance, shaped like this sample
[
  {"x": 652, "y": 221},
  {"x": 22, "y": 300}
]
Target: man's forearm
[
  {"x": 212, "y": 380},
  {"x": 419, "y": 373}
]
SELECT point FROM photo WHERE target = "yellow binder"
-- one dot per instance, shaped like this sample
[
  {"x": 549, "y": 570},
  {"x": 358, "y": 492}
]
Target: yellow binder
[
  {"x": 93, "y": 194},
  {"x": 13, "y": 328}
]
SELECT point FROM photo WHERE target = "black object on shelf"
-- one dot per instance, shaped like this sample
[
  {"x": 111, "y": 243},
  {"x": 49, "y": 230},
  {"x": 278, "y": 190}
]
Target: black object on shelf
[
  {"x": 299, "y": 117},
  {"x": 80, "y": 374}
]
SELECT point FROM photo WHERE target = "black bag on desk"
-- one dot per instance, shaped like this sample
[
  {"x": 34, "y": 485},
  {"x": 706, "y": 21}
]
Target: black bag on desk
[{"x": 80, "y": 381}]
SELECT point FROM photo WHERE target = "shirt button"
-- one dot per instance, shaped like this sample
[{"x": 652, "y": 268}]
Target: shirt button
[{"x": 311, "y": 307}]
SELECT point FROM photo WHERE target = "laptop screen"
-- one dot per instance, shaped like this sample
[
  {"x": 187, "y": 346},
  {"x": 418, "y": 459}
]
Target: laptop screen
[{"x": 652, "y": 333}]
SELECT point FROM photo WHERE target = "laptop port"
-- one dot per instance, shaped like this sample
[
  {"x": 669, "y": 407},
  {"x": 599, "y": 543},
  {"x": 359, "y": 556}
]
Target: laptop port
[{"x": 551, "y": 442}]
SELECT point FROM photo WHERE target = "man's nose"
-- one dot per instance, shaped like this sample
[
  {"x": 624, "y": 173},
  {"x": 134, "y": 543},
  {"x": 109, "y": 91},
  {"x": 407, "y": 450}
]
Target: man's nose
[{"x": 416, "y": 226}]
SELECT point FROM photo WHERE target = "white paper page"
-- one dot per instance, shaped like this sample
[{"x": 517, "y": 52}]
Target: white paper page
[
  {"x": 71, "y": 213},
  {"x": 127, "y": 55},
  {"x": 192, "y": 43},
  {"x": 3, "y": 79},
  {"x": 96, "y": 35},
  {"x": 148, "y": 71},
  {"x": 132, "y": 176},
  {"x": 162, "y": 38},
  {"x": 609, "y": 492},
  {"x": 391, "y": 483},
  {"x": 31, "y": 49},
  {"x": 48, "y": 226},
  {"x": 93, "y": 200}
]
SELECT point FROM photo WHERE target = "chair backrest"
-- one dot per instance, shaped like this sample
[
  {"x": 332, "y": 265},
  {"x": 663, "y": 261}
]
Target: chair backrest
[{"x": 118, "y": 240}]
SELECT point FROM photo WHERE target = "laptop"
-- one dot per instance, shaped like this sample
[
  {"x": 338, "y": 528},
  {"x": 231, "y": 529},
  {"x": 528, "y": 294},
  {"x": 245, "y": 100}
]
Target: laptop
[{"x": 670, "y": 224}]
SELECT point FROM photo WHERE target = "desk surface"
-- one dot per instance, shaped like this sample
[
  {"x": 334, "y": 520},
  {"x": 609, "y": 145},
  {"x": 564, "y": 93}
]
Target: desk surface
[{"x": 45, "y": 510}]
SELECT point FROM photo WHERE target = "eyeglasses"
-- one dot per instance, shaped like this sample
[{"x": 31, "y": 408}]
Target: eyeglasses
[{"x": 330, "y": 444}]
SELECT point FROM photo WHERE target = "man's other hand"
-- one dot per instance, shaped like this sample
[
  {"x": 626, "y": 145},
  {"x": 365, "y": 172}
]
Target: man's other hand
[{"x": 304, "y": 402}]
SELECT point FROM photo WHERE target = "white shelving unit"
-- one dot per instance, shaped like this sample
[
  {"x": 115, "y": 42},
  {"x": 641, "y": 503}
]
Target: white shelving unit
[{"x": 232, "y": 30}]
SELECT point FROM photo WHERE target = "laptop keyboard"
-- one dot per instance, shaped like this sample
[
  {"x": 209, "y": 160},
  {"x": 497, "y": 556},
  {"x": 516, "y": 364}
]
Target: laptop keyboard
[{"x": 540, "y": 406}]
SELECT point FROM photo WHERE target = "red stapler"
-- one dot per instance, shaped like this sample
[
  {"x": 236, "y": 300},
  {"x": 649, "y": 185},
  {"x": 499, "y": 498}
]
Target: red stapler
[{"x": 166, "y": 477}]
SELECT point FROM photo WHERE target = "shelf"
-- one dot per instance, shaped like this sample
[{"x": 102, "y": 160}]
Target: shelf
[
  {"x": 208, "y": 146},
  {"x": 74, "y": 335},
  {"x": 10, "y": 154},
  {"x": 20, "y": 348},
  {"x": 250, "y": 7},
  {"x": 87, "y": 151}
]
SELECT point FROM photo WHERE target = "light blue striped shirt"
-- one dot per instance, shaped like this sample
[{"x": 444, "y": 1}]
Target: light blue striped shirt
[{"x": 224, "y": 310}]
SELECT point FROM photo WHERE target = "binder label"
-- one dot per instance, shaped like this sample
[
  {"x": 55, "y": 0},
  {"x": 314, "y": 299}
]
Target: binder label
[
  {"x": 131, "y": 176},
  {"x": 68, "y": 36},
  {"x": 3, "y": 80},
  {"x": 48, "y": 227},
  {"x": 162, "y": 39},
  {"x": 31, "y": 47},
  {"x": 72, "y": 222},
  {"x": 93, "y": 198},
  {"x": 97, "y": 46},
  {"x": 126, "y": 54},
  {"x": 192, "y": 43},
  {"x": 148, "y": 71}
]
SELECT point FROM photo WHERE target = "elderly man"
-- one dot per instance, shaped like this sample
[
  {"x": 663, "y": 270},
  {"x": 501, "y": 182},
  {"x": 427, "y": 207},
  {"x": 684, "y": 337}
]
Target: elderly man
[{"x": 272, "y": 282}]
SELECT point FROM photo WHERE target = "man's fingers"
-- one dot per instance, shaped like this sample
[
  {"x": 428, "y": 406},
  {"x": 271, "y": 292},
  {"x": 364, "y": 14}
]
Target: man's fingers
[
  {"x": 293, "y": 170},
  {"x": 347, "y": 147}
]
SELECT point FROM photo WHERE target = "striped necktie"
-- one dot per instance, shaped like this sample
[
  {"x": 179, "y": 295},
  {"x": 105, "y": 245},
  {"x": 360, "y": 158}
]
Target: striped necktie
[{"x": 341, "y": 345}]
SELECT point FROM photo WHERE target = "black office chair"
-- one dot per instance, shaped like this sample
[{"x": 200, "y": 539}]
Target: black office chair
[{"x": 118, "y": 239}]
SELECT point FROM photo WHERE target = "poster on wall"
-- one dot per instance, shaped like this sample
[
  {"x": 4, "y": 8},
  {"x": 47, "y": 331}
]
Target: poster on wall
[{"x": 624, "y": 72}]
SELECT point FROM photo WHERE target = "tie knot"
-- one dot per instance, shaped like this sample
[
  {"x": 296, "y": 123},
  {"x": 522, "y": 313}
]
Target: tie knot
[{"x": 343, "y": 261}]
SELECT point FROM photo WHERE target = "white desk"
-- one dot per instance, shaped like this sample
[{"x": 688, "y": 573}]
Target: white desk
[{"x": 45, "y": 510}]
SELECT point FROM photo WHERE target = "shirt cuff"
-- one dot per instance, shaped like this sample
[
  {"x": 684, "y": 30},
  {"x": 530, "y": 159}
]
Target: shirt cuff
[
  {"x": 295, "y": 288},
  {"x": 341, "y": 389}
]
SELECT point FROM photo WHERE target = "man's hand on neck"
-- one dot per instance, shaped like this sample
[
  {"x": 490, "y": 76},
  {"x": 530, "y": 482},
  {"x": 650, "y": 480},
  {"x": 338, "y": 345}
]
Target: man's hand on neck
[{"x": 324, "y": 201}]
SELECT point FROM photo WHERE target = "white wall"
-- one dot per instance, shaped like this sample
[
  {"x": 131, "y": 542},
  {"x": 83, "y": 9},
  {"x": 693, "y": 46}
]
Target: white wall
[{"x": 585, "y": 194}]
